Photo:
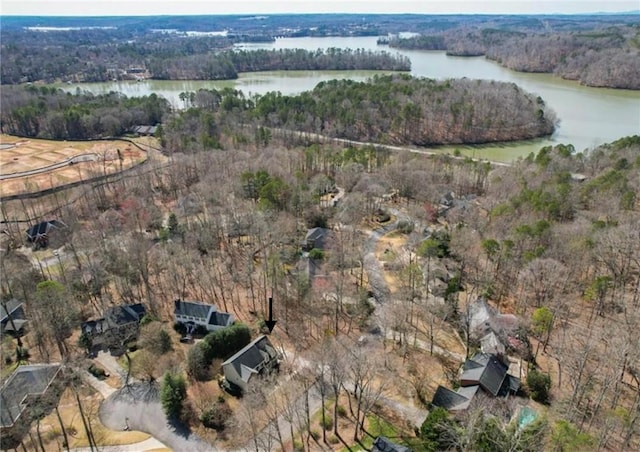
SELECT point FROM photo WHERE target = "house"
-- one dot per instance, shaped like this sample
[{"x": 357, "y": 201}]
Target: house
[
  {"x": 12, "y": 318},
  {"x": 192, "y": 313},
  {"x": 495, "y": 331},
  {"x": 39, "y": 233},
  {"x": 315, "y": 238},
  {"x": 454, "y": 400},
  {"x": 483, "y": 372},
  {"x": 384, "y": 444},
  {"x": 256, "y": 358},
  {"x": 119, "y": 324},
  {"x": 490, "y": 373},
  {"x": 144, "y": 130},
  {"x": 27, "y": 386}
]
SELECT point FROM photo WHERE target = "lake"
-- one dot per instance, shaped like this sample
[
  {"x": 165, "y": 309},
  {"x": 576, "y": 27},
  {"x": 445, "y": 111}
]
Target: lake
[{"x": 587, "y": 116}]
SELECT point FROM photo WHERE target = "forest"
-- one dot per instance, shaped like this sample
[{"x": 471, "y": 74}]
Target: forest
[
  {"x": 373, "y": 319},
  {"x": 397, "y": 109},
  {"x": 606, "y": 57},
  {"x": 530, "y": 238},
  {"x": 597, "y": 50}
]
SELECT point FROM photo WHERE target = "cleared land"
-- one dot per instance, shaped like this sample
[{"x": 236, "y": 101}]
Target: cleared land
[{"x": 29, "y": 165}]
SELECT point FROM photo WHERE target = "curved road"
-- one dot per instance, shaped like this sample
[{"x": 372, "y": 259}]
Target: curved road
[{"x": 90, "y": 157}]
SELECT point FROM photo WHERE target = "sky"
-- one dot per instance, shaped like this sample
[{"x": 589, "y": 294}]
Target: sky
[{"x": 184, "y": 7}]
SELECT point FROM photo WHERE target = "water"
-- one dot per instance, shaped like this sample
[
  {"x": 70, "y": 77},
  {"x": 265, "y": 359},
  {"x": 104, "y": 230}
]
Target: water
[
  {"x": 526, "y": 417},
  {"x": 587, "y": 116}
]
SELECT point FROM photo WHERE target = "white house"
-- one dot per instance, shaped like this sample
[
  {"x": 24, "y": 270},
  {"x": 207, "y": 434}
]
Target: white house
[
  {"x": 256, "y": 358},
  {"x": 206, "y": 315}
]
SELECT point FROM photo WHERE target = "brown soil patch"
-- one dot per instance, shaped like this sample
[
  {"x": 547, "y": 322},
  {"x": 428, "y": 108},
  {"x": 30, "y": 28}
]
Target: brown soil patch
[{"x": 102, "y": 157}]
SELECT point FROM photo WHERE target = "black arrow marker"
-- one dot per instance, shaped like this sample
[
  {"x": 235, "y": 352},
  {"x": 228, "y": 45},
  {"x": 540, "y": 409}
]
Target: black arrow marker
[{"x": 270, "y": 323}]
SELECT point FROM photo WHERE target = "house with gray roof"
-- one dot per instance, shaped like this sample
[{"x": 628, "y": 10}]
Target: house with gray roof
[
  {"x": 258, "y": 357},
  {"x": 119, "y": 325},
  {"x": 27, "y": 387},
  {"x": 481, "y": 372},
  {"x": 12, "y": 317},
  {"x": 192, "y": 313}
]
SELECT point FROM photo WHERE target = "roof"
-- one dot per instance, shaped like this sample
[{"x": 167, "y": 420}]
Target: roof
[
  {"x": 114, "y": 317},
  {"x": 316, "y": 233},
  {"x": 219, "y": 318},
  {"x": 26, "y": 380},
  {"x": 486, "y": 370},
  {"x": 492, "y": 344},
  {"x": 454, "y": 400},
  {"x": 43, "y": 228},
  {"x": 124, "y": 314},
  {"x": 145, "y": 130},
  {"x": 252, "y": 357},
  {"x": 13, "y": 326},
  {"x": 384, "y": 444},
  {"x": 13, "y": 307},
  {"x": 192, "y": 309}
]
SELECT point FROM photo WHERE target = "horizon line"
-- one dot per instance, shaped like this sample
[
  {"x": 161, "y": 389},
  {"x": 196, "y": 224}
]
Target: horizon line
[{"x": 257, "y": 14}]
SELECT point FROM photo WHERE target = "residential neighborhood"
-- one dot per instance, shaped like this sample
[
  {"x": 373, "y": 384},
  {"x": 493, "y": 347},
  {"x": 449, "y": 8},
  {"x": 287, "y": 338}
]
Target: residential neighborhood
[{"x": 320, "y": 232}]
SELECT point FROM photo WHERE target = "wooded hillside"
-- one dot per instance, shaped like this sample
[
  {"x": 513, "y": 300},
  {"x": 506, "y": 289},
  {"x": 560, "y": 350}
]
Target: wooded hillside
[
  {"x": 404, "y": 110},
  {"x": 603, "y": 57}
]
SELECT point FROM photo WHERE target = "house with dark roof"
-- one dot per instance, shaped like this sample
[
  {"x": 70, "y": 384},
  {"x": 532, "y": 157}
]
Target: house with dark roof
[
  {"x": 315, "y": 238},
  {"x": 119, "y": 324},
  {"x": 490, "y": 373},
  {"x": 257, "y": 358},
  {"x": 384, "y": 444},
  {"x": 38, "y": 234},
  {"x": 454, "y": 400},
  {"x": 28, "y": 386},
  {"x": 12, "y": 317},
  {"x": 192, "y": 313},
  {"x": 481, "y": 372}
]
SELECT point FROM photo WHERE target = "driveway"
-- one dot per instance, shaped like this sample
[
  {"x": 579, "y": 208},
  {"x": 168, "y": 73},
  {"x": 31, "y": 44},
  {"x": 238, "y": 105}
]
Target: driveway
[
  {"x": 148, "y": 444},
  {"x": 138, "y": 407}
]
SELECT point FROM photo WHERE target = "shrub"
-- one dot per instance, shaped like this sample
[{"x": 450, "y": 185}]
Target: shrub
[
  {"x": 146, "y": 319},
  {"x": 436, "y": 430},
  {"x": 342, "y": 411},
  {"x": 224, "y": 343},
  {"x": 215, "y": 417},
  {"x": 539, "y": 385},
  {"x": 328, "y": 423},
  {"x": 198, "y": 361},
  {"x": 22, "y": 354},
  {"x": 97, "y": 372},
  {"x": 316, "y": 254},
  {"x": 405, "y": 227},
  {"x": 382, "y": 216}
]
